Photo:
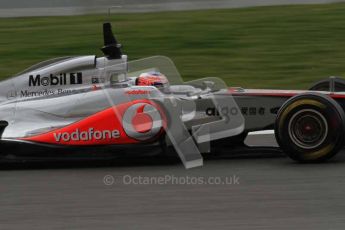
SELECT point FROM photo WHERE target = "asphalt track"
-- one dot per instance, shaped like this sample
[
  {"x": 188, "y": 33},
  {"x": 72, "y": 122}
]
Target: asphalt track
[
  {"x": 270, "y": 192},
  {"x": 22, "y": 8}
]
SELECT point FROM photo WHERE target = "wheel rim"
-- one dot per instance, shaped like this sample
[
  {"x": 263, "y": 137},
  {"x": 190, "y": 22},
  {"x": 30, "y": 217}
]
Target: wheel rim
[{"x": 308, "y": 128}]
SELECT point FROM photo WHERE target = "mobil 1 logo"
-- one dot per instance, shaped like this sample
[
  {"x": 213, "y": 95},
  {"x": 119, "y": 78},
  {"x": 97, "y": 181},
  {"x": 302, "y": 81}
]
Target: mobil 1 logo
[{"x": 52, "y": 80}]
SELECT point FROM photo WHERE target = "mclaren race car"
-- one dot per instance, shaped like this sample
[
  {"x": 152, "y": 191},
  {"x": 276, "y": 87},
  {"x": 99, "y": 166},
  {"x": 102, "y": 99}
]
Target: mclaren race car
[{"x": 92, "y": 106}]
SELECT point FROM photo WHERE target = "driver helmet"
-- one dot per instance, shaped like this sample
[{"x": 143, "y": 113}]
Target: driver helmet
[{"x": 153, "y": 78}]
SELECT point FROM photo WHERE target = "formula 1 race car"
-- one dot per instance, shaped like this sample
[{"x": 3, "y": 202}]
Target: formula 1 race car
[{"x": 107, "y": 106}]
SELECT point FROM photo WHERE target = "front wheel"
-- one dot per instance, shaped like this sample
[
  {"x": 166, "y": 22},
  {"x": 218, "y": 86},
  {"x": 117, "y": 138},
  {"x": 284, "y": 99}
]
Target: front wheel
[{"x": 310, "y": 127}]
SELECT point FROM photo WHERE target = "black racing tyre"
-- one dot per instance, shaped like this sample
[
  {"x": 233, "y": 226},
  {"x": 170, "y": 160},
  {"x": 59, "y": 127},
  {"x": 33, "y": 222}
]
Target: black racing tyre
[
  {"x": 310, "y": 127},
  {"x": 324, "y": 85}
]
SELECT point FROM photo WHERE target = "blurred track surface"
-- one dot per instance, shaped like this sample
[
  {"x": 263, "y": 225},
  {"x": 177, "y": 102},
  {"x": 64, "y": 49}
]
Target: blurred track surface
[{"x": 273, "y": 193}]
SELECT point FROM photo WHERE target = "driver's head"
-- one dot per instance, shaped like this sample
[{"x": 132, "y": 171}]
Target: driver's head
[{"x": 156, "y": 79}]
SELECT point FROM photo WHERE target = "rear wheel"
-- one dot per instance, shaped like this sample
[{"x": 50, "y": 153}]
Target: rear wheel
[
  {"x": 324, "y": 85},
  {"x": 310, "y": 127}
]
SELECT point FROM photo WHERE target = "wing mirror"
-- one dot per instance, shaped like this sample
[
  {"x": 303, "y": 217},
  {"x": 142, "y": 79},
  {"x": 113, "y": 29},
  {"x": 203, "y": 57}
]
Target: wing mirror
[{"x": 208, "y": 85}]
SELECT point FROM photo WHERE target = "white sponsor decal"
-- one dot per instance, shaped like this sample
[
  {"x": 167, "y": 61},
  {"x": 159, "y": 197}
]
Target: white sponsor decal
[{"x": 88, "y": 135}]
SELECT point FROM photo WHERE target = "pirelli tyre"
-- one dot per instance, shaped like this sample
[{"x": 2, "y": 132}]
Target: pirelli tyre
[{"x": 310, "y": 127}]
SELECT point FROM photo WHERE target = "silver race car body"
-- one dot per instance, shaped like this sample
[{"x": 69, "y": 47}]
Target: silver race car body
[{"x": 100, "y": 102}]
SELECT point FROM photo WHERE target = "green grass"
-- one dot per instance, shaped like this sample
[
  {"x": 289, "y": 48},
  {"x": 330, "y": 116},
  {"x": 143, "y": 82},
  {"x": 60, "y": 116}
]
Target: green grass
[{"x": 263, "y": 47}]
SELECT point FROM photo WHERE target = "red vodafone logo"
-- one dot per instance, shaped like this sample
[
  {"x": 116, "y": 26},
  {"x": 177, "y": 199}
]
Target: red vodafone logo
[{"x": 142, "y": 121}]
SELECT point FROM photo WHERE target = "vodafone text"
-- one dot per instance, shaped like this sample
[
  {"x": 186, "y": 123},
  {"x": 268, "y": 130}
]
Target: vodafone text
[{"x": 87, "y": 135}]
